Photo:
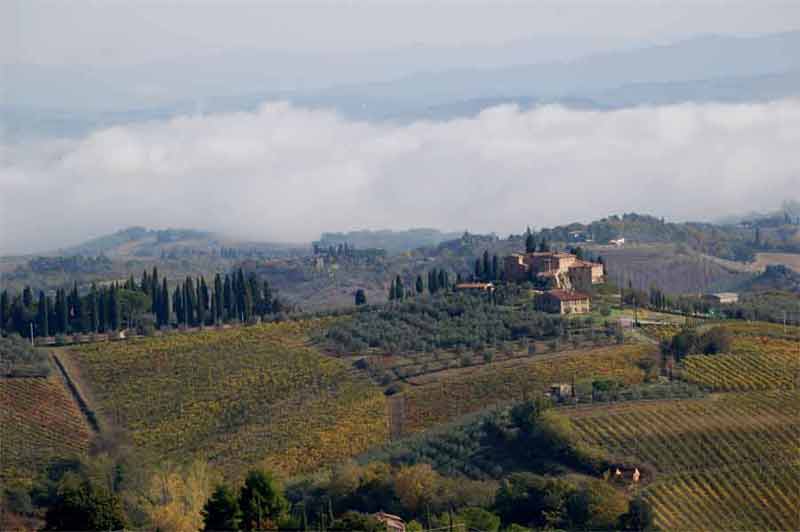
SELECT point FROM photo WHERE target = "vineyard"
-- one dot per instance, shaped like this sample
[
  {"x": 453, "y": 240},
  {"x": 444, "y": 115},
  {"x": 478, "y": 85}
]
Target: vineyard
[
  {"x": 39, "y": 422},
  {"x": 473, "y": 389},
  {"x": 754, "y": 363},
  {"x": 730, "y": 458},
  {"x": 236, "y": 397}
]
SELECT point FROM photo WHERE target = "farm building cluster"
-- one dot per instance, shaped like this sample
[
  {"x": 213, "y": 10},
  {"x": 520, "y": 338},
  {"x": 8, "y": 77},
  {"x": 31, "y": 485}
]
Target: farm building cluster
[{"x": 566, "y": 278}]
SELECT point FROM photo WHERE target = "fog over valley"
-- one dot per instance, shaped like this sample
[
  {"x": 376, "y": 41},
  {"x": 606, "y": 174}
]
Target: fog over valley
[{"x": 288, "y": 173}]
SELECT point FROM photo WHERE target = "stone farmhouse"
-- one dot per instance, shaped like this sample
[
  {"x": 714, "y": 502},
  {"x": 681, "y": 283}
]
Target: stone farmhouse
[
  {"x": 559, "y": 270},
  {"x": 560, "y": 301}
]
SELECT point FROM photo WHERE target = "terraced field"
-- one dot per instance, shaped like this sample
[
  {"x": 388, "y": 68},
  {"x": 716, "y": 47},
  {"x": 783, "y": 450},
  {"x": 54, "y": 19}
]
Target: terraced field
[
  {"x": 730, "y": 460},
  {"x": 238, "y": 398},
  {"x": 472, "y": 389},
  {"x": 39, "y": 422}
]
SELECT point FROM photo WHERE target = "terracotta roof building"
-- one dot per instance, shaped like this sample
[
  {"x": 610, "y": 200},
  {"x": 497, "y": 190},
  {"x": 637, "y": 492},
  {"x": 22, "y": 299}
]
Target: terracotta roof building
[{"x": 563, "y": 302}]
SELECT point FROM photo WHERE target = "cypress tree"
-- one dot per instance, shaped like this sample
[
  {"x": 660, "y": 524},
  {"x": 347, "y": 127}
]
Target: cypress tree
[
  {"x": 218, "y": 296},
  {"x": 477, "y": 273},
  {"x": 530, "y": 242},
  {"x": 164, "y": 303},
  {"x": 399, "y": 289},
  {"x": 228, "y": 298},
  {"x": 188, "y": 301},
  {"x": 495, "y": 269},
  {"x": 420, "y": 287},
  {"x": 392, "y": 291},
  {"x": 27, "y": 297},
  {"x": 62, "y": 311},
  {"x": 114, "y": 309},
  {"x": 487, "y": 267},
  {"x": 444, "y": 280},
  {"x": 42, "y": 318},
  {"x": 5, "y": 309},
  {"x": 94, "y": 308},
  {"x": 267, "y": 298},
  {"x": 177, "y": 304},
  {"x": 76, "y": 310}
]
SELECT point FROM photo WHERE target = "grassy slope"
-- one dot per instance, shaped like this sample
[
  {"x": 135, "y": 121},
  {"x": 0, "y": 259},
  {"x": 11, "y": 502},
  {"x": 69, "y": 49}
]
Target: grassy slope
[
  {"x": 238, "y": 398},
  {"x": 39, "y": 422}
]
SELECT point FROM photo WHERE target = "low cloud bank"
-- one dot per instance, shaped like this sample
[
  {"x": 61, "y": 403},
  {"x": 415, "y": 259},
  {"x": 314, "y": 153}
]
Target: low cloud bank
[{"x": 287, "y": 173}]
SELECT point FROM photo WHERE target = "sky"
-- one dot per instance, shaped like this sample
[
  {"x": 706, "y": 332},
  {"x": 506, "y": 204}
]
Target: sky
[
  {"x": 286, "y": 173},
  {"x": 118, "y": 32}
]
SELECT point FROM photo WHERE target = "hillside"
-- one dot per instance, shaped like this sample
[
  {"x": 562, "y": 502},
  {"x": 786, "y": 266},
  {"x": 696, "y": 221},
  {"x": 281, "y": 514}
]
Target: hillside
[{"x": 236, "y": 397}]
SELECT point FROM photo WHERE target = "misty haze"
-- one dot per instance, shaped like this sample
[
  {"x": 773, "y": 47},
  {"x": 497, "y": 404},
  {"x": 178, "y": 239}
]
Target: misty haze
[{"x": 399, "y": 266}]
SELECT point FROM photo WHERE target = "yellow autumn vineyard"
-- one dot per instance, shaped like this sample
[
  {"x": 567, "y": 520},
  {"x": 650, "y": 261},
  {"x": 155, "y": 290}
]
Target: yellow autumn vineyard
[
  {"x": 39, "y": 422},
  {"x": 754, "y": 363},
  {"x": 235, "y": 397},
  {"x": 470, "y": 391},
  {"x": 729, "y": 458}
]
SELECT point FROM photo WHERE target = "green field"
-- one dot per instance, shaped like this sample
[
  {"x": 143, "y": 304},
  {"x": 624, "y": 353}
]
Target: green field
[{"x": 237, "y": 398}]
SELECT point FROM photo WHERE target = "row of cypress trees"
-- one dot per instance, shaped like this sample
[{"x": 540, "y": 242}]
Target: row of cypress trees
[{"x": 232, "y": 297}]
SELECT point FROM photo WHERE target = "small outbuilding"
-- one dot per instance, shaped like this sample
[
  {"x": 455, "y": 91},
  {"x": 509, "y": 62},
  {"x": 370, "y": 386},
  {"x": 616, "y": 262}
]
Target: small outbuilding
[{"x": 722, "y": 298}]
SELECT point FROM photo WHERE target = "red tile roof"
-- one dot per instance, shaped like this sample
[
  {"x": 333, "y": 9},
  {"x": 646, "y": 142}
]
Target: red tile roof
[{"x": 563, "y": 295}]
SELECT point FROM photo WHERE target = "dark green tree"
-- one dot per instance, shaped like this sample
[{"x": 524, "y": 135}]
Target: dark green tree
[
  {"x": 221, "y": 511},
  {"x": 639, "y": 516},
  {"x": 419, "y": 285},
  {"x": 486, "y": 268},
  {"x": 164, "y": 310},
  {"x": 5, "y": 309},
  {"x": 94, "y": 309},
  {"x": 262, "y": 502},
  {"x": 84, "y": 505},
  {"x": 115, "y": 309},
  {"x": 530, "y": 241},
  {"x": 361, "y": 297},
  {"x": 220, "y": 307},
  {"x": 43, "y": 316}
]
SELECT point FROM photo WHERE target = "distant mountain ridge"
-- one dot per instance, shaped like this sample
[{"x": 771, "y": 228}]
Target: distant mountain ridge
[{"x": 703, "y": 69}]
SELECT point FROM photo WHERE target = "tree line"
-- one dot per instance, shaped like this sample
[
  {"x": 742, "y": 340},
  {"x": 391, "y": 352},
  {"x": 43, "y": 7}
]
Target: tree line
[{"x": 119, "y": 305}]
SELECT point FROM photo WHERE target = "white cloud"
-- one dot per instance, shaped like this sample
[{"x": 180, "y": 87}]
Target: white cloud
[{"x": 288, "y": 173}]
